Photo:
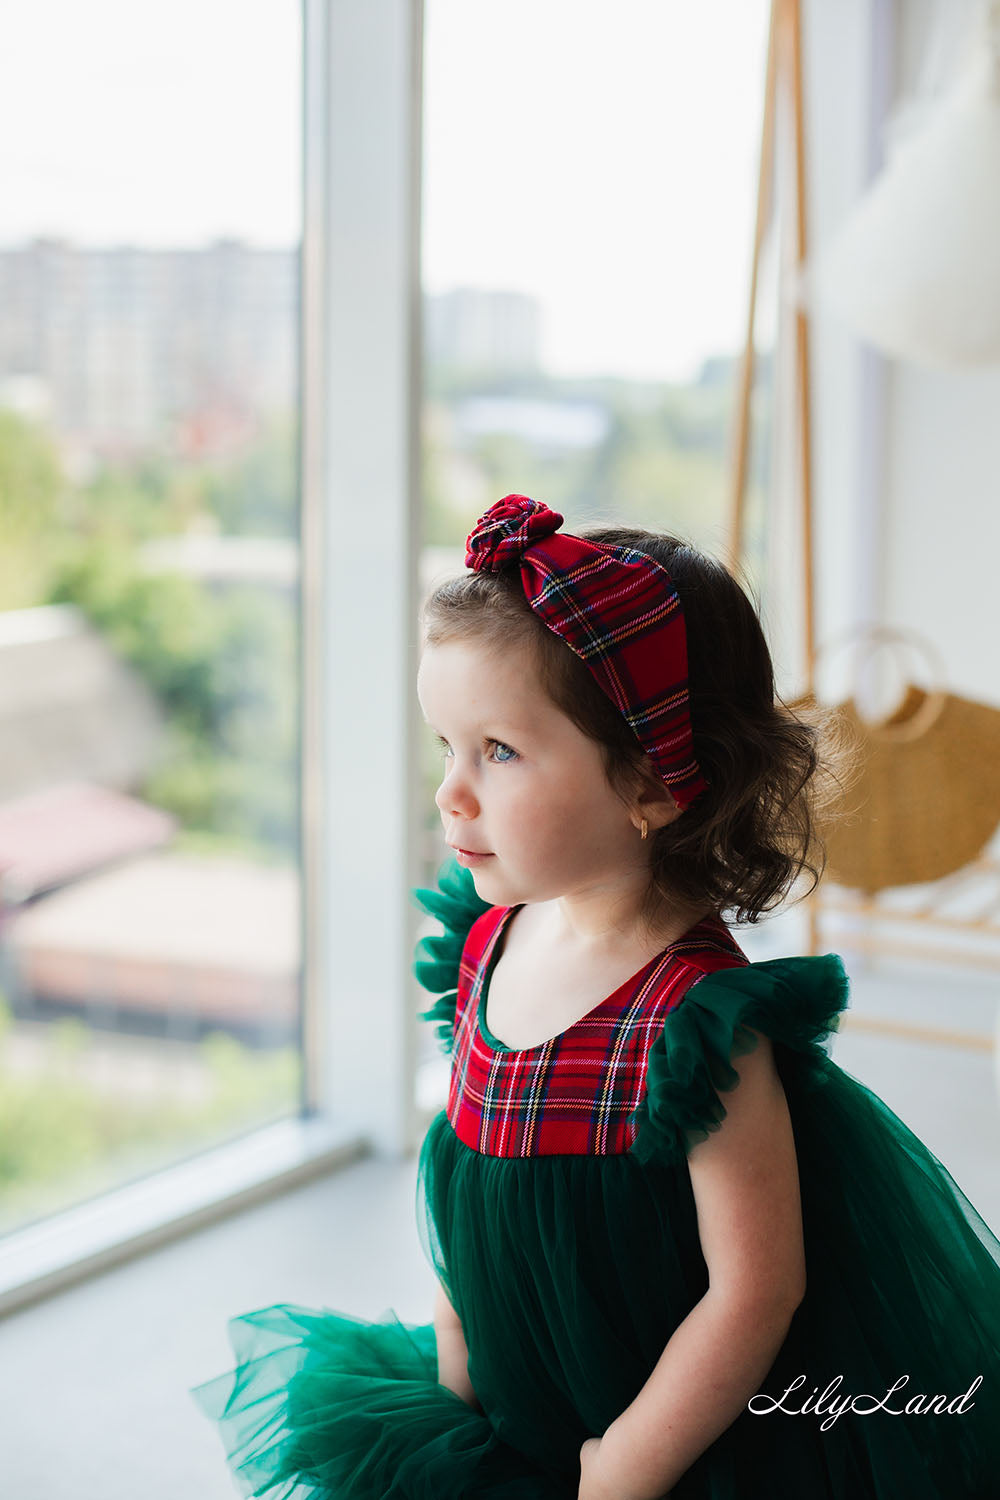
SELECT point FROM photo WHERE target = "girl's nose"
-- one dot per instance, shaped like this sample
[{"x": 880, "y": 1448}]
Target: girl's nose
[{"x": 454, "y": 797}]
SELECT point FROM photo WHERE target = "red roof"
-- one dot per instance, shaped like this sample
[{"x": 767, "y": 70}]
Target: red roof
[{"x": 50, "y": 837}]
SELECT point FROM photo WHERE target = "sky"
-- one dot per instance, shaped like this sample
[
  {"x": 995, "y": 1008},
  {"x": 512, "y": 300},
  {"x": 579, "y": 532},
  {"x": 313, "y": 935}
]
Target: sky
[
  {"x": 604, "y": 153},
  {"x": 600, "y": 155}
]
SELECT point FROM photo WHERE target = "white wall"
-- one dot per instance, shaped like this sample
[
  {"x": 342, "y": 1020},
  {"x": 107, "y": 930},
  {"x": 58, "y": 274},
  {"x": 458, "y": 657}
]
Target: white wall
[
  {"x": 942, "y": 493},
  {"x": 906, "y": 460}
]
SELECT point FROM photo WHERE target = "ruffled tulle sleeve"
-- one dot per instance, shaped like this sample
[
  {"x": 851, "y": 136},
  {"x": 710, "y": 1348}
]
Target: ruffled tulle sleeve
[
  {"x": 796, "y": 1002},
  {"x": 456, "y": 906}
]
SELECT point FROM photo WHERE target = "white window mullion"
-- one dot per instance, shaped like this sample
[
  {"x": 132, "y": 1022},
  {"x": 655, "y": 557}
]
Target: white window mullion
[{"x": 361, "y": 473}]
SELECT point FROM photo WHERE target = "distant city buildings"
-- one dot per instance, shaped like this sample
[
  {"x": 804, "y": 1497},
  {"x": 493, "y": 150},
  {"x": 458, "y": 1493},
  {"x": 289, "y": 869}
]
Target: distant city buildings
[
  {"x": 124, "y": 349},
  {"x": 479, "y": 330},
  {"x": 550, "y": 426}
]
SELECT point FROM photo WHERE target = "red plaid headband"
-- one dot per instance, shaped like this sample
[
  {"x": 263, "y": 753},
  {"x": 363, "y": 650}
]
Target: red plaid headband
[{"x": 618, "y": 610}]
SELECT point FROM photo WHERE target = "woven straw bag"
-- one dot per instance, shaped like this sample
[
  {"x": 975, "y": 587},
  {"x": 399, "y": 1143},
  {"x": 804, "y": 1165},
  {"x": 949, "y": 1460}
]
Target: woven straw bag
[{"x": 926, "y": 799}]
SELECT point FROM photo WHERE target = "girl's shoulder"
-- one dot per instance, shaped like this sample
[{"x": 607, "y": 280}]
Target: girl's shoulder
[{"x": 796, "y": 1002}]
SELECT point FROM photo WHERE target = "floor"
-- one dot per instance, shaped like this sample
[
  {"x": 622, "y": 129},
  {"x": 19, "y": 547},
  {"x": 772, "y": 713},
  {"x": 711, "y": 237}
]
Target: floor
[{"x": 94, "y": 1400}]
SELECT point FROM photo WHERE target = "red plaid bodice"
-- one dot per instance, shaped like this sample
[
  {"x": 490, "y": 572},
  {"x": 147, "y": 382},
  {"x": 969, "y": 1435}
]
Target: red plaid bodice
[{"x": 574, "y": 1094}]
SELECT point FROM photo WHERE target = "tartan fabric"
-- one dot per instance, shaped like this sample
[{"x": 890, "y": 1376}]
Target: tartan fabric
[
  {"x": 575, "y": 1094},
  {"x": 620, "y": 613}
]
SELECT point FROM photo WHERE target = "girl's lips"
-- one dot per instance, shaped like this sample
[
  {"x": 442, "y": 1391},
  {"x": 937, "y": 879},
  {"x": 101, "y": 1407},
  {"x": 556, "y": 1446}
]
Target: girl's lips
[{"x": 469, "y": 855}]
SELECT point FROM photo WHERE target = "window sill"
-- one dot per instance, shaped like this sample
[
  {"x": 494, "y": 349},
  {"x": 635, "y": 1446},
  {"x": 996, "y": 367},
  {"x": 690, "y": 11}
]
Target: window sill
[{"x": 92, "y": 1237}]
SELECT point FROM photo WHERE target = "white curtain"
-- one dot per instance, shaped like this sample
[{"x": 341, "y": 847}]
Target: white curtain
[{"x": 915, "y": 268}]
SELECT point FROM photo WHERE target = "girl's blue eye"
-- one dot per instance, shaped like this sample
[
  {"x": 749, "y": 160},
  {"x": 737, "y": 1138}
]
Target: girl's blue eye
[{"x": 502, "y": 760}]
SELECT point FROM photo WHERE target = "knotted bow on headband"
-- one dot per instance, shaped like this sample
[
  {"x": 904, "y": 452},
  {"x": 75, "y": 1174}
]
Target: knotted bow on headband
[{"x": 617, "y": 609}]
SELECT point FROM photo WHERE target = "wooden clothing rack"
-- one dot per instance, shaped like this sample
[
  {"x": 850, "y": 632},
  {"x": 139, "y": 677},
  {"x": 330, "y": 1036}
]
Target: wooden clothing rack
[{"x": 784, "y": 71}]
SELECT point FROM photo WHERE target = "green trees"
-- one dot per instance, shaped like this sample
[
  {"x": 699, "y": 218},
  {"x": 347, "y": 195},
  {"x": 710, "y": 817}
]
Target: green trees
[
  {"x": 66, "y": 1134},
  {"x": 662, "y": 463},
  {"x": 31, "y": 487},
  {"x": 221, "y": 658}
]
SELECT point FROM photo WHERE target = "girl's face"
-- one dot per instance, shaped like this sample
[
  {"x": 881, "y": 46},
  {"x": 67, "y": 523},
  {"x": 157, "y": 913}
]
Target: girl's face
[{"x": 522, "y": 784}]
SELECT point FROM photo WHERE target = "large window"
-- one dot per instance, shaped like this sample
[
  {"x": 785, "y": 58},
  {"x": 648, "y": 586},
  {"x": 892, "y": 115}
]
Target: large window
[
  {"x": 150, "y": 230},
  {"x": 152, "y": 602}
]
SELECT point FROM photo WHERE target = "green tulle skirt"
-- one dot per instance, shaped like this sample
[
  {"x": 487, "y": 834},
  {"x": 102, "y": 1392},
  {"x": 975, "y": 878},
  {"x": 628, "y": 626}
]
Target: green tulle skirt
[
  {"x": 322, "y": 1404},
  {"x": 569, "y": 1279},
  {"x": 570, "y": 1274}
]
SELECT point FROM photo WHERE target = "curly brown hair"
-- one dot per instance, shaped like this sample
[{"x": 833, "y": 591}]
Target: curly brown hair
[{"x": 742, "y": 845}]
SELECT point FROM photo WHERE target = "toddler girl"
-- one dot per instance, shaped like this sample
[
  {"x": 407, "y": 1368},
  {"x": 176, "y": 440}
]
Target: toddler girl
[{"x": 678, "y": 1249}]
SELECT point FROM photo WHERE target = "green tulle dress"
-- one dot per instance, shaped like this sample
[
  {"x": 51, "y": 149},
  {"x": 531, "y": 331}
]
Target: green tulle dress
[{"x": 570, "y": 1272}]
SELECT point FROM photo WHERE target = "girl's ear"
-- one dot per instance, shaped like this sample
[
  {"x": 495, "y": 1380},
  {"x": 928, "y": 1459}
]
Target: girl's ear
[{"x": 654, "y": 802}]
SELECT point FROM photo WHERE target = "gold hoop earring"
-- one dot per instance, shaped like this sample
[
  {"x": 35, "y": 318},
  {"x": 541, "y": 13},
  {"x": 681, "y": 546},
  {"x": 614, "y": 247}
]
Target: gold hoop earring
[{"x": 644, "y": 829}]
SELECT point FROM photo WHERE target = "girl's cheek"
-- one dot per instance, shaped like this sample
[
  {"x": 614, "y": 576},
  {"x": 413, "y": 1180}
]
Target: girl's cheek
[{"x": 516, "y": 802}]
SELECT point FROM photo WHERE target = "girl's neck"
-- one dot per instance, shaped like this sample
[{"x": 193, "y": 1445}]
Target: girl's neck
[{"x": 587, "y": 927}]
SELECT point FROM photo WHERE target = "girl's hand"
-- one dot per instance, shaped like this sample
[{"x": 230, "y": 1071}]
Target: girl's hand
[{"x": 598, "y": 1485}]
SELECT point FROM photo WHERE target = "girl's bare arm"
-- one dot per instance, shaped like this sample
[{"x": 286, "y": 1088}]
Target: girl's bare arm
[
  {"x": 746, "y": 1189},
  {"x": 452, "y": 1351}
]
